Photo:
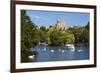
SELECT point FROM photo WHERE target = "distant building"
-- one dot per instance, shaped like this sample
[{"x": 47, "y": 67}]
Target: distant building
[{"x": 61, "y": 25}]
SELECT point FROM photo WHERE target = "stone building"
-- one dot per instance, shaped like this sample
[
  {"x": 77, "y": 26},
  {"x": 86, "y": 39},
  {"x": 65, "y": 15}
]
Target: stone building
[{"x": 61, "y": 25}]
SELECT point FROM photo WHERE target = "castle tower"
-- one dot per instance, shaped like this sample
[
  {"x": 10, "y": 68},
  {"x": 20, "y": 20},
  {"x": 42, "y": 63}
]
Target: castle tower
[{"x": 61, "y": 25}]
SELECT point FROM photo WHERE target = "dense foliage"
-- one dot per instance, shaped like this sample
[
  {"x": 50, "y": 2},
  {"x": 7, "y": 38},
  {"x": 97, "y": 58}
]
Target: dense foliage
[
  {"x": 28, "y": 29},
  {"x": 81, "y": 34}
]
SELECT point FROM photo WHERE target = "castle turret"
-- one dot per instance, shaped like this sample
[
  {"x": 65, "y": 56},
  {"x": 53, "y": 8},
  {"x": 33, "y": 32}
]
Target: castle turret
[{"x": 61, "y": 25}]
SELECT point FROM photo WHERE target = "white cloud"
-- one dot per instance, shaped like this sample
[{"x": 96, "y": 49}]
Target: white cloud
[{"x": 37, "y": 17}]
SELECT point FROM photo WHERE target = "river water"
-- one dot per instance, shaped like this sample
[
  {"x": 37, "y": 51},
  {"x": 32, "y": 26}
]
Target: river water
[{"x": 60, "y": 53}]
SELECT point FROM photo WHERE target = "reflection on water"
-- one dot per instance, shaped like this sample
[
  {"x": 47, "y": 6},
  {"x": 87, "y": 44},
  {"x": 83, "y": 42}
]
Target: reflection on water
[{"x": 54, "y": 53}]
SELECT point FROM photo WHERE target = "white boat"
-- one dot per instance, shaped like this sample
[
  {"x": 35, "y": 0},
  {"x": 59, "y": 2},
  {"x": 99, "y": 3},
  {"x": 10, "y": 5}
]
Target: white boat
[
  {"x": 71, "y": 47},
  {"x": 45, "y": 44}
]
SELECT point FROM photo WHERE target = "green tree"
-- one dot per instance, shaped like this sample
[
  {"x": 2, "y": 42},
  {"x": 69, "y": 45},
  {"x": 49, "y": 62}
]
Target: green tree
[
  {"x": 85, "y": 36},
  {"x": 69, "y": 37},
  {"x": 43, "y": 28},
  {"x": 42, "y": 36},
  {"x": 87, "y": 26},
  {"x": 27, "y": 30},
  {"x": 81, "y": 34},
  {"x": 59, "y": 38},
  {"x": 78, "y": 34}
]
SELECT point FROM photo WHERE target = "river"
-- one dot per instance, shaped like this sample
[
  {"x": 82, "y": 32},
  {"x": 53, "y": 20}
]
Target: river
[{"x": 60, "y": 53}]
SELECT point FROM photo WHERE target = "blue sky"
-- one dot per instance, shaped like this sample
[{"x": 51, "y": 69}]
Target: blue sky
[{"x": 47, "y": 18}]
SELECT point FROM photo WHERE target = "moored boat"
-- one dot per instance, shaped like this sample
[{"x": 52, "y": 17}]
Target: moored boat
[{"x": 70, "y": 46}]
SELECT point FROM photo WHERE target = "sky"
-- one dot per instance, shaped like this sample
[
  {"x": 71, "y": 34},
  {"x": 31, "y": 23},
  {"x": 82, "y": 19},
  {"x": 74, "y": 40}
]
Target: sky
[{"x": 49, "y": 18}]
